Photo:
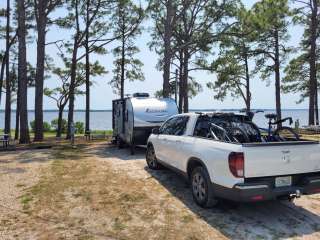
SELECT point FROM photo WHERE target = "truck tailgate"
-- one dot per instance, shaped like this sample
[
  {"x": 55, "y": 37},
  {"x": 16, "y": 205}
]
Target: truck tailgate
[{"x": 274, "y": 159}]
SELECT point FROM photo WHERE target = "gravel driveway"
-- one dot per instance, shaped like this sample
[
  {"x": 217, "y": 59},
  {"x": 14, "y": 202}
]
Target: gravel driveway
[{"x": 117, "y": 197}]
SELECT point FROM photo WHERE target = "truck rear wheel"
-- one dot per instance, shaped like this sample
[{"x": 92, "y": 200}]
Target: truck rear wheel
[{"x": 201, "y": 188}]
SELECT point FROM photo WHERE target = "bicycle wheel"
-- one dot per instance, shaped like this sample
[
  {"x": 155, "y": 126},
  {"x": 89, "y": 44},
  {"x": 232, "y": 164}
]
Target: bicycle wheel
[{"x": 286, "y": 133}]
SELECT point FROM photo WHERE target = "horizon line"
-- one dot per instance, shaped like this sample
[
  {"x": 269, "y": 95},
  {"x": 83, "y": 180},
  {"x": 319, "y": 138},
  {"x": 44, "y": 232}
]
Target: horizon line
[{"x": 192, "y": 110}]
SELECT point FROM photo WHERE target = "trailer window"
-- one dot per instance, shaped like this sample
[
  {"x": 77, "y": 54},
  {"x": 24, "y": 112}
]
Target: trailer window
[{"x": 175, "y": 126}]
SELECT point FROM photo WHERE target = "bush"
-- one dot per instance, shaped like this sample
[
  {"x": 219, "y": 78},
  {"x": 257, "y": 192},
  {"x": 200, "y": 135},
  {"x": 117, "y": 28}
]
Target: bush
[
  {"x": 46, "y": 126},
  {"x": 79, "y": 126},
  {"x": 54, "y": 124}
]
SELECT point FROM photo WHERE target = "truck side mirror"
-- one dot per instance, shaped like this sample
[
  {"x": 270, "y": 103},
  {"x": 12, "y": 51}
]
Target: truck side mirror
[{"x": 155, "y": 131}]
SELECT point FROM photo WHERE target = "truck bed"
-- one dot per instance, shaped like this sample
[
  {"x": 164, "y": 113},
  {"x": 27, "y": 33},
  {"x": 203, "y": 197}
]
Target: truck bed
[{"x": 270, "y": 144}]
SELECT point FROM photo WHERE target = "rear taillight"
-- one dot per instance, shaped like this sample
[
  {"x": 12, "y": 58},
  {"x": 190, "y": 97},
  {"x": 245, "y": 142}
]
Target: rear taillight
[{"x": 236, "y": 164}]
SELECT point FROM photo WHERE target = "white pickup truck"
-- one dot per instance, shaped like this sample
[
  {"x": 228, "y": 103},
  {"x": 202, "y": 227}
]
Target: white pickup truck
[{"x": 222, "y": 164}]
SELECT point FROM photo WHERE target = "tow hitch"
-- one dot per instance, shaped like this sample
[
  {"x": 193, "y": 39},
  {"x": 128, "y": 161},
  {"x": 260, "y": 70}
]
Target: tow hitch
[{"x": 295, "y": 195}]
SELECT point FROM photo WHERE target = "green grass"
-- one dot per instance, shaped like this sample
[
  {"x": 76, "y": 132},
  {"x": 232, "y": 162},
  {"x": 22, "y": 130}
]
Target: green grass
[
  {"x": 25, "y": 201},
  {"x": 53, "y": 133}
]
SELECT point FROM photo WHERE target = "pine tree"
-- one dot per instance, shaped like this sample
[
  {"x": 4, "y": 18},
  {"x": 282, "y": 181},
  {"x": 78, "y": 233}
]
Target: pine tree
[
  {"x": 307, "y": 14},
  {"x": 164, "y": 15},
  {"x": 22, "y": 73},
  {"x": 232, "y": 65},
  {"x": 270, "y": 21},
  {"x": 195, "y": 31},
  {"x": 127, "y": 18},
  {"x": 42, "y": 9}
]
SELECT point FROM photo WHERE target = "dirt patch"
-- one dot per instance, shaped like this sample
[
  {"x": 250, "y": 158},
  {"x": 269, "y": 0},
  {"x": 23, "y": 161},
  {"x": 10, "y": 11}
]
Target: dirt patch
[{"x": 100, "y": 192}]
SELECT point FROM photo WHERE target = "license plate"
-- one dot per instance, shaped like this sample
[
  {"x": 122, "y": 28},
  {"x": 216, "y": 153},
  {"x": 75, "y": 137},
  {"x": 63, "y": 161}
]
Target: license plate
[{"x": 283, "y": 181}]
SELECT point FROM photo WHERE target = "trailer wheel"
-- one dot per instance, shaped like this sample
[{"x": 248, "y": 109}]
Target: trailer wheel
[
  {"x": 120, "y": 143},
  {"x": 132, "y": 148}
]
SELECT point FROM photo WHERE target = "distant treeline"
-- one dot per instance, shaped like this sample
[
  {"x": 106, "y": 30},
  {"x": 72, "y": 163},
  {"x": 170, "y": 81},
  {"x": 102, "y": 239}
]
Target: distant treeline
[{"x": 233, "y": 42}]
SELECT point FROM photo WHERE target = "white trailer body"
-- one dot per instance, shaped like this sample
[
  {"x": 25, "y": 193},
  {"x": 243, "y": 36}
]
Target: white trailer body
[{"x": 134, "y": 117}]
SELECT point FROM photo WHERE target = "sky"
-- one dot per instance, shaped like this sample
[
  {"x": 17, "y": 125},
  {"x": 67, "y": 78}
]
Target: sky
[{"x": 263, "y": 96}]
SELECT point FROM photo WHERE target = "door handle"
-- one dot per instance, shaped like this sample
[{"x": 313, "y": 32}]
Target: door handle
[{"x": 178, "y": 141}]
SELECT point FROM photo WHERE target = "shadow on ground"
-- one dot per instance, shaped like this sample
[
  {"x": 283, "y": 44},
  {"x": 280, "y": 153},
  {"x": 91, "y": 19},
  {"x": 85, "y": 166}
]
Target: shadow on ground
[
  {"x": 109, "y": 150},
  {"x": 267, "y": 220}
]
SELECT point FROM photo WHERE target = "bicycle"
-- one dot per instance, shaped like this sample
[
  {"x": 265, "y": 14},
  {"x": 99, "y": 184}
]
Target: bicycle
[{"x": 280, "y": 133}]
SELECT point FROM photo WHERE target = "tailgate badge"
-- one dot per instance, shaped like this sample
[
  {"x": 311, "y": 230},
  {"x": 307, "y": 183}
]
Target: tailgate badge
[{"x": 286, "y": 156}]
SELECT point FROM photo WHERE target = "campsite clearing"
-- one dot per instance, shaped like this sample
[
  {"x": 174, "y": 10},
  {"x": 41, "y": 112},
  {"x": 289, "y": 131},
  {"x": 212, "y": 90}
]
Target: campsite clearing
[{"x": 96, "y": 191}]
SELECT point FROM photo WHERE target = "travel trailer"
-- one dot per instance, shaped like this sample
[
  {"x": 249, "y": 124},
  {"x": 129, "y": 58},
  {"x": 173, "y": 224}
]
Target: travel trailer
[{"x": 133, "y": 118}]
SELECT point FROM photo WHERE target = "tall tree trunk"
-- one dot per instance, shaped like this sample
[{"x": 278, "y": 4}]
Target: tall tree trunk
[
  {"x": 22, "y": 73},
  {"x": 7, "y": 122},
  {"x": 3, "y": 67},
  {"x": 248, "y": 93},
  {"x": 73, "y": 71},
  {"x": 87, "y": 127},
  {"x": 312, "y": 62},
  {"x": 185, "y": 81},
  {"x": 316, "y": 108},
  {"x": 60, "y": 116},
  {"x": 122, "y": 59},
  {"x": 17, "y": 127},
  {"x": 41, "y": 31},
  {"x": 2, "y": 70},
  {"x": 180, "y": 81},
  {"x": 167, "y": 49},
  {"x": 277, "y": 75},
  {"x": 72, "y": 85}
]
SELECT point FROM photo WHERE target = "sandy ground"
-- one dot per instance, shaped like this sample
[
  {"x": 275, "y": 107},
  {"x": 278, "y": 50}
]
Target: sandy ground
[{"x": 101, "y": 192}]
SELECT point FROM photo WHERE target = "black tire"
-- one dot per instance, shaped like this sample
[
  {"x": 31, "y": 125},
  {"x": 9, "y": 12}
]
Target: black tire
[
  {"x": 132, "y": 149},
  {"x": 151, "y": 158},
  {"x": 201, "y": 188},
  {"x": 120, "y": 143},
  {"x": 289, "y": 129}
]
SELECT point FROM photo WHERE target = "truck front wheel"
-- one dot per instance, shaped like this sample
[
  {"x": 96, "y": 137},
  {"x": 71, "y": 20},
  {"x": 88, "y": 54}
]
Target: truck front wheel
[
  {"x": 201, "y": 188},
  {"x": 152, "y": 159}
]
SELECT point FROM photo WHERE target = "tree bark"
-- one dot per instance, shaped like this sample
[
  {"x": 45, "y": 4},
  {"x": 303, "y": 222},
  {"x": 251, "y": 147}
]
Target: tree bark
[
  {"x": 87, "y": 126},
  {"x": 60, "y": 116},
  {"x": 22, "y": 74},
  {"x": 7, "y": 121},
  {"x": 248, "y": 93},
  {"x": 72, "y": 86},
  {"x": 277, "y": 75},
  {"x": 167, "y": 49},
  {"x": 316, "y": 107},
  {"x": 73, "y": 73},
  {"x": 181, "y": 81},
  {"x": 2, "y": 70},
  {"x": 41, "y": 31},
  {"x": 122, "y": 77},
  {"x": 17, "y": 127},
  {"x": 185, "y": 81},
  {"x": 312, "y": 62}
]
